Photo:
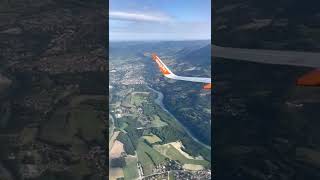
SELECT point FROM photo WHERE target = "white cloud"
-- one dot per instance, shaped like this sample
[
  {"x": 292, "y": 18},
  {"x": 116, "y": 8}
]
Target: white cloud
[{"x": 118, "y": 15}]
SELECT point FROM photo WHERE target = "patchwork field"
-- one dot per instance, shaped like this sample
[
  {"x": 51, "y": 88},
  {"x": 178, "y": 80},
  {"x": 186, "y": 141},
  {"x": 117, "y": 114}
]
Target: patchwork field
[
  {"x": 152, "y": 138},
  {"x": 179, "y": 146},
  {"x": 130, "y": 170},
  {"x": 174, "y": 152},
  {"x": 148, "y": 157},
  {"x": 116, "y": 150},
  {"x": 115, "y": 173},
  {"x": 156, "y": 122}
]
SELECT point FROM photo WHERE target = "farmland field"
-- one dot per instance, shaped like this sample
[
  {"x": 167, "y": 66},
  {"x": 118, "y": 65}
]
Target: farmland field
[
  {"x": 148, "y": 157},
  {"x": 172, "y": 153},
  {"x": 130, "y": 170},
  {"x": 151, "y": 138}
]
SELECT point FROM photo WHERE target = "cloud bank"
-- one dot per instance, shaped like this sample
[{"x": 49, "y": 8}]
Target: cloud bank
[{"x": 118, "y": 15}]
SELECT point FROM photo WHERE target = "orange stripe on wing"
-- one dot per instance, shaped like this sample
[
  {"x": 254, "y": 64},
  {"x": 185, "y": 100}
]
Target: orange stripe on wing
[
  {"x": 310, "y": 79},
  {"x": 163, "y": 69},
  {"x": 207, "y": 86}
]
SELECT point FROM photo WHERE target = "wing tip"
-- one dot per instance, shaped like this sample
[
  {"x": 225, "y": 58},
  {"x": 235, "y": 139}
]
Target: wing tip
[
  {"x": 207, "y": 86},
  {"x": 311, "y": 78},
  {"x": 165, "y": 71},
  {"x": 154, "y": 56}
]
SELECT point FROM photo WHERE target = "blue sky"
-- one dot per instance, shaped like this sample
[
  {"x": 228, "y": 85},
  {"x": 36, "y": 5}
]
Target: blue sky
[{"x": 159, "y": 20}]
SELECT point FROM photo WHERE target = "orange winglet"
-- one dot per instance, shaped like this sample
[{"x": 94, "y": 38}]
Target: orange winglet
[
  {"x": 310, "y": 79},
  {"x": 162, "y": 68},
  {"x": 207, "y": 86},
  {"x": 154, "y": 56}
]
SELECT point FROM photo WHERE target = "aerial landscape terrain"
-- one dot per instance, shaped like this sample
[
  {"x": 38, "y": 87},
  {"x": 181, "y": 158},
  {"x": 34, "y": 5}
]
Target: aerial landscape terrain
[
  {"x": 159, "y": 128},
  {"x": 53, "y": 90},
  {"x": 265, "y": 126}
]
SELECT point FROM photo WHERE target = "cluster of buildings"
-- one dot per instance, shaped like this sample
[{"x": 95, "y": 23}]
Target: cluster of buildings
[
  {"x": 174, "y": 168},
  {"x": 128, "y": 74},
  {"x": 170, "y": 165},
  {"x": 189, "y": 175}
]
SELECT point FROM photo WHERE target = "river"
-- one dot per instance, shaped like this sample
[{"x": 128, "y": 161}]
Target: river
[{"x": 159, "y": 101}]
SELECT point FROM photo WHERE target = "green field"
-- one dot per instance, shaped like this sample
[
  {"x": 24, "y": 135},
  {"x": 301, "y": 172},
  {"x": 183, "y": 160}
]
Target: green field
[
  {"x": 148, "y": 157},
  {"x": 151, "y": 138},
  {"x": 156, "y": 122},
  {"x": 130, "y": 170},
  {"x": 173, "y": 154}
]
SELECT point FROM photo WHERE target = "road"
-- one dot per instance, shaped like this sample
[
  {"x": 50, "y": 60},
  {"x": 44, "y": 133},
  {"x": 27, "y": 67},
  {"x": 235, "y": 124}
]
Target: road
[{"x": 294, "y": 58}]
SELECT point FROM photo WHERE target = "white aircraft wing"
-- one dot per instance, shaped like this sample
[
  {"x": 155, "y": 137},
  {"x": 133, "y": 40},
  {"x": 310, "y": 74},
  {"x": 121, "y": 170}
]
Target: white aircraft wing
[
  {"x": 192, "y": 79},
  {"x": 167, "y": 73},
  {"x": 294, "y": 58}
]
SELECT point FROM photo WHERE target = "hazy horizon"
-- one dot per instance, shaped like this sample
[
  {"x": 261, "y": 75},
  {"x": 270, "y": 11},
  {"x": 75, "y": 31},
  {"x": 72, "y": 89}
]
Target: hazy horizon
[{"x": 155, "y": 40}]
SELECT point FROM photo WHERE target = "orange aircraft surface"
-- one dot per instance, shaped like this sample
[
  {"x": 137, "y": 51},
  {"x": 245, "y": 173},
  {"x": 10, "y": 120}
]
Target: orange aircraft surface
[{"x": 167, "y": 73}]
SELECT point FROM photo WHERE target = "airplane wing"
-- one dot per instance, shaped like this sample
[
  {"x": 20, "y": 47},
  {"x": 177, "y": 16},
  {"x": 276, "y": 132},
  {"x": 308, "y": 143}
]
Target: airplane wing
[
  {"x": 294, "y": 58},
  {"x": 169, "y": 74}
]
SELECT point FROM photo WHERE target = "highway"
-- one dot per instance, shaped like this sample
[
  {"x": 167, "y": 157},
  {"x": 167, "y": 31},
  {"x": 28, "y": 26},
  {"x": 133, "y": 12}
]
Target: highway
[{"x": 294, "y": 58}]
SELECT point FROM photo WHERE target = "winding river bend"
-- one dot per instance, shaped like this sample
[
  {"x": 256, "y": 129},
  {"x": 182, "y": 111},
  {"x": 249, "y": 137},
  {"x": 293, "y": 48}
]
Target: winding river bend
[{"x": 159, "y": 101}]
